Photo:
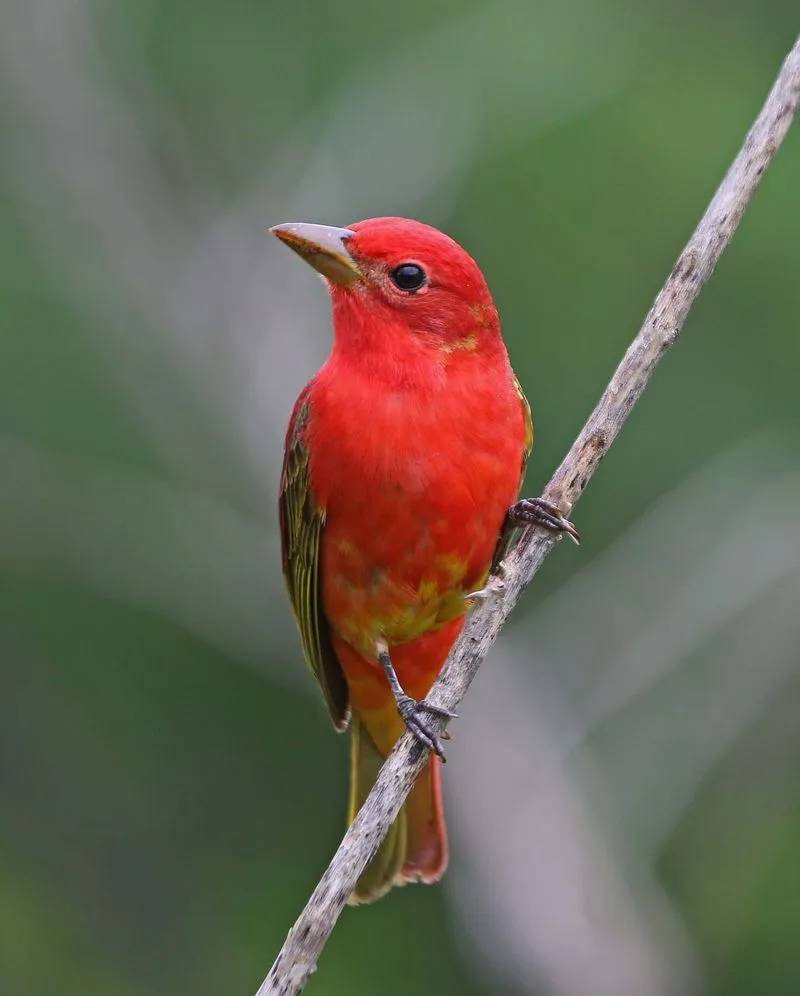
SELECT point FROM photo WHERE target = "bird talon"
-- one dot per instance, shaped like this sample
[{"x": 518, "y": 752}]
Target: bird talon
[
  {"x": 479, "y": 595},
  {"x": 541, "y": 512},
  {"x": 410, "y": 712},
  {"x": 494, "y": 586}
]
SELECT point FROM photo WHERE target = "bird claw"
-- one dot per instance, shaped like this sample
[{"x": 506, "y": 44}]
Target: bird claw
[
  {"x": 541, "y": 512},
  {"x": 411, "y": 713},
  {"x": 495, "y": 585}
]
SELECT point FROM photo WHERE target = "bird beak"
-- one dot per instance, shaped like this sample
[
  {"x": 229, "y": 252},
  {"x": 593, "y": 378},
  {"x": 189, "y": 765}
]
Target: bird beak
[{"x": 323, "y": 248}]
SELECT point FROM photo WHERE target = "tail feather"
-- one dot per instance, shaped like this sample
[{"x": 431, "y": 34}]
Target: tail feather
[
  {"x": 415, "y": 849},
  {"x": 365, "y": 763},
  {"x": 426, "y": 849}
]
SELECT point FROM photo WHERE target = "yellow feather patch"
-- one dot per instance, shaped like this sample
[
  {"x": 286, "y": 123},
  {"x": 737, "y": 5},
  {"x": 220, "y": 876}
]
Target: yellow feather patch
[
  {"x": 452, "y": 566},
  {"x": 481, "y": 314},
  {"x": 469, "y": 343},
  {"x": 450, "y": 607},
  {"x": 428, "y": 590}
]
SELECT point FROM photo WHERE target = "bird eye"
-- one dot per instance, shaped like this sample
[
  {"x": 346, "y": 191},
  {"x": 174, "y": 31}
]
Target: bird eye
[{"x": 408, "y": 277}]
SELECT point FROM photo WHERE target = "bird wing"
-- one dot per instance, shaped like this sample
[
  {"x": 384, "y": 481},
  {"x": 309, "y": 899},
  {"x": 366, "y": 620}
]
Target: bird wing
[
  {"x": 301, "y": 523},
  {"x": 504, "y": 540},
  {"x": 528, "y": 420}
]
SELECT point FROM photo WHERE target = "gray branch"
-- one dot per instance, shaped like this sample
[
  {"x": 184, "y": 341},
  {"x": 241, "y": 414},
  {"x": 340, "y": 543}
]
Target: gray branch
[{"x": 298, "y": 957}]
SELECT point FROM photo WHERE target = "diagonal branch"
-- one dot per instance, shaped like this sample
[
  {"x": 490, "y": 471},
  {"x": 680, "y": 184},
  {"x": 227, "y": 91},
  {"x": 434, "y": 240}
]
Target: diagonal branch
[{"x": 298, "y": 957}]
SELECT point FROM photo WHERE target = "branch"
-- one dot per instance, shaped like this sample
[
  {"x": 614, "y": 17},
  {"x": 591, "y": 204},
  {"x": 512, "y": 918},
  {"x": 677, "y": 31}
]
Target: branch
[{"x": 298, "y": 957}]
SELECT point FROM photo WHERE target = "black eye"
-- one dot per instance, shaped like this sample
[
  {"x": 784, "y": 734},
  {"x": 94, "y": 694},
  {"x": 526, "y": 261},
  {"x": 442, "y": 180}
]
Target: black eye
[{"x": 408, "y": 276}]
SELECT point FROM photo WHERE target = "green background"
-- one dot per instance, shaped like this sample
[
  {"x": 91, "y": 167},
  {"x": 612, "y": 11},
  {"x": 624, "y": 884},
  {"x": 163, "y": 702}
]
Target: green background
[{"x": 623, "y": 784}]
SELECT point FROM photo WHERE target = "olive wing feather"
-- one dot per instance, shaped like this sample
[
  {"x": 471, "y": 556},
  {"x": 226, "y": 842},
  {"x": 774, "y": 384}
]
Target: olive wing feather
[
  {"x": 504, "y": 541},
  {"x": 302, "y": 522}
]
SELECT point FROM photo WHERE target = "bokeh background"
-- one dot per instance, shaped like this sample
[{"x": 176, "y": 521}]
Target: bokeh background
[{"x": 623, "y": 788}]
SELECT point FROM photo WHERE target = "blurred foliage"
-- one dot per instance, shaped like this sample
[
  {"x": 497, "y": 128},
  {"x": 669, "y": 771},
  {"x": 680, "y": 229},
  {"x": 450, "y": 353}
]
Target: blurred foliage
[{"x": 170, "y": 789}]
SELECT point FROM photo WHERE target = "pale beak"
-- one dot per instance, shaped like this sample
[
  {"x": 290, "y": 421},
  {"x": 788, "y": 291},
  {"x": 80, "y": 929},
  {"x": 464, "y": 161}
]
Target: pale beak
[{"x": 322, "y": 247}]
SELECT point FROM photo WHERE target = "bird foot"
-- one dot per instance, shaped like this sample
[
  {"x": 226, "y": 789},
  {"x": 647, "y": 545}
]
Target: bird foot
[
  {"x": 412, "y": 713},
  {"x": 540, "y": 512},
  {"x": 494, "y": 586}
]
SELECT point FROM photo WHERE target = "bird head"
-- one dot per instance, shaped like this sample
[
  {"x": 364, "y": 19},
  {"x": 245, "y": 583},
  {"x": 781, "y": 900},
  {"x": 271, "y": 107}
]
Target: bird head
[{"x": 397, "y": 281}]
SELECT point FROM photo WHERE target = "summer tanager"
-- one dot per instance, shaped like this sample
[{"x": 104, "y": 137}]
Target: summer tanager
[{"x": 403, "y": 460}]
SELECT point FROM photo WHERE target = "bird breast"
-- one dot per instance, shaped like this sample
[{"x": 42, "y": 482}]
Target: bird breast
[{"x": 415, "y": 484}]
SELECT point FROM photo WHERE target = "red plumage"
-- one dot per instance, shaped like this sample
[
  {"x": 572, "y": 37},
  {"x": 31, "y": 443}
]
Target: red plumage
[{"x": 411, "y": 440}]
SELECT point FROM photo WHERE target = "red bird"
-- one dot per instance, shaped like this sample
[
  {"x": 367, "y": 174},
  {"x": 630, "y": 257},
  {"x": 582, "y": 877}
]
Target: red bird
[{"x": 403, "y": 460}]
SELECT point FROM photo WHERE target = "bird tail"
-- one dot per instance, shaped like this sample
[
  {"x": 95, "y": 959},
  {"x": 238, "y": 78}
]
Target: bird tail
[{"x": 415, "y": 849}]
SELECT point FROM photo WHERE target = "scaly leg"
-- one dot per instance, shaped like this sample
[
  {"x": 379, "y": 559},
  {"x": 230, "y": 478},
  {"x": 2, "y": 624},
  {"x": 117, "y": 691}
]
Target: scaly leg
[{"x": 411, "y": 711}]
